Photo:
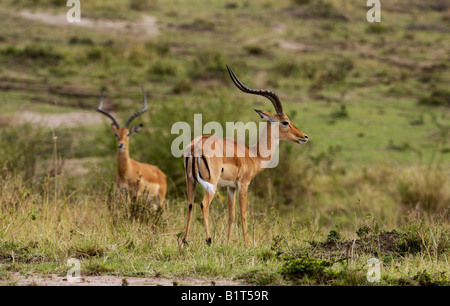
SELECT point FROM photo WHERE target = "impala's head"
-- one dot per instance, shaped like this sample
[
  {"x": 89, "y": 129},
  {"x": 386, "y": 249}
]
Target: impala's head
[
  {"x": 287, "y": 130},
  {"x": 122, "y": 133}
]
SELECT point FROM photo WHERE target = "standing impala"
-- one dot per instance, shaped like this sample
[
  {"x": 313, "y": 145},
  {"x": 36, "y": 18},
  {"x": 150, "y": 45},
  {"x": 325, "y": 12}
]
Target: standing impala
[
  {"x": 203, "y": 165},
  {"x": 132, "y": 175}
]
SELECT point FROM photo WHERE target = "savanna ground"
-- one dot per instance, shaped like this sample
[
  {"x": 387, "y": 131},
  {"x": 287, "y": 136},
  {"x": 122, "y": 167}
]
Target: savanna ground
[{"x": 372, "y": 182}]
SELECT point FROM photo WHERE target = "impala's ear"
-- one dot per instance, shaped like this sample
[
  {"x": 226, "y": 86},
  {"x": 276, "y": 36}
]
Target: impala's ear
[
  {"x": 265, "y": 115},
  {"x": 114, "y": 127},
  {"x": 135, "y": 129}
]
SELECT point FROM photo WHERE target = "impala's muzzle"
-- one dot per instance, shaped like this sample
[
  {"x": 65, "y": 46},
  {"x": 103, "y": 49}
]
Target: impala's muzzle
[
  {"x": 121, "y": 146},
  {"x": 302, "y": 141}
]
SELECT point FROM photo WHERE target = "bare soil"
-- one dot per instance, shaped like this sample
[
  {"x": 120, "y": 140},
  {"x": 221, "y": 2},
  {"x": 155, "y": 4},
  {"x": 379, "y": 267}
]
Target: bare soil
[
  {"x": 71, "y": 119},
  {"x": 110, "y": 280},
  {"x": 384, "y": 243},
  {"x": 146, "y": 26}
]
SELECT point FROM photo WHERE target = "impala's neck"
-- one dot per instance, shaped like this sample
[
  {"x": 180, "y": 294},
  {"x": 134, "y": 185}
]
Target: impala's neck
[
  {"x": 266, "y": 145},
  {"x": 123, "y": 162}
]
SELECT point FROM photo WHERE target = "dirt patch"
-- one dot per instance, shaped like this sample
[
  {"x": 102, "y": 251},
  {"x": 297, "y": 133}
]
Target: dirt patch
[
  {"x": 146, "y": 26},
  {"x": 382, "y": 244},
  {"x": 71, "y": 119},
  {"x": 293, "y": 45},
  {"x": 109, "y": 280}
]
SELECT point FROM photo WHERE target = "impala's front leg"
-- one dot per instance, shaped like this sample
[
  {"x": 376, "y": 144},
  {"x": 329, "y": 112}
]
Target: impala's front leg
[
  {"x": 231, "y": 192},
  {"x": 243, "y": 209}
]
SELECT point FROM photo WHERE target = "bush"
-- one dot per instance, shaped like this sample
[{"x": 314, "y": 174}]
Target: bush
[
  {"x": 254, "y": 50},
  {"x": 23, "y": 146},
  {"x": 163, "y": 68},
  {"x": 333, "y": 74},
  {"x": 438, "y": 97},
  {"x": 140, "y": 5},
  {"x": 300, "y": 266},
  {"x": 35, "y": 53},
  {"x": 317, "y": 9},
  {"x": 209, "y": 64},
  {"x": 378, "y": 28}
]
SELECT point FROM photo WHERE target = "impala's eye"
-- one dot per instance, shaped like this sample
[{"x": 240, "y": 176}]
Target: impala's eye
[
  {"x": 117, "y": 135},
  {"x": 285, "y": 123}
]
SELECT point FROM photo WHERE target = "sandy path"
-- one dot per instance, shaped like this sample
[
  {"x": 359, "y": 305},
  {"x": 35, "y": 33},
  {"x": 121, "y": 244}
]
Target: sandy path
[
  {"x": 108, "y": 280},
  {"x": 72, "y": 119},
  {"x": 146, "y": 26}
]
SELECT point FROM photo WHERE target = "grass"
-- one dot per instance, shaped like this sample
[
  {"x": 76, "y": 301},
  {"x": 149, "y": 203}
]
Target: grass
[
  {"x": 371, "y": 97},
  {"x": 48, "y": 230}
]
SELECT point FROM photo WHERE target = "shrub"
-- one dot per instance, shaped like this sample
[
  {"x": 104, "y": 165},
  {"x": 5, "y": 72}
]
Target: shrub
[
  {"x": 254, "y": 50},
  {"x": 182, "y": 86},
  {"x": 23, "y": 146},
  {"x": 163, "y": 68},
  {"x": 438, "y": 97},
  {"x": 34, "y": 52},
  {"x": 300, "y": 266},
  {"x": 317, "y": 9},
  {"x": 377, "y": 28},
  {"x": 209, "y": 64},
  {"x": 140, "y": 5}
]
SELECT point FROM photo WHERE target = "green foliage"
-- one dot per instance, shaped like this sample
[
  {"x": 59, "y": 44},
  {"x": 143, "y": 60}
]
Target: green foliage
[
  {"x": 44, "y": 54},
  {"x": 378, "y": 28},
  {"x": 333, "y": 236},
  {"x": 24, "y": 145},
  {"x": 333, "y": 74},
  {"x": 437, "y": 97},
  {"x": 318, "y": 9},
  {"x": 254, "y": 50},
  {"x": 314, "y": 268},
  {"x": 425, "y": 278},
  {"x": 140, "y": 5},
  {"x": 163, "y": 69},
  {"x": 208, "y": 64},
  {"x": 363, "y": 231}
]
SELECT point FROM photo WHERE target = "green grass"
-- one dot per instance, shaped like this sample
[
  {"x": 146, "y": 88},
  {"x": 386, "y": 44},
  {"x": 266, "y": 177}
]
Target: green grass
[{"x": 372, "y": 99}]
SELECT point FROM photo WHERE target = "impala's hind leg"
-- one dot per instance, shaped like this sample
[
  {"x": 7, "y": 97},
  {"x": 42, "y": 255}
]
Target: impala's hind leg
[
  {"x": 231, "y": 192},
  {"x": 190, "y": 184},
  {"x": 205, "y": 209}
]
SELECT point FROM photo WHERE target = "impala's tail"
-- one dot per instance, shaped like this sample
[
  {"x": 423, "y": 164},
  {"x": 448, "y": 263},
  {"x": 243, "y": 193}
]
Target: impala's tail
[
  {"x": 193, "y": 165},
  {"x": 210, "y": 188}
]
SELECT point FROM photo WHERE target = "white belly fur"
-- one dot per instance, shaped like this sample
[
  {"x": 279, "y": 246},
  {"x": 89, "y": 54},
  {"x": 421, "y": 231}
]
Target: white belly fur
[
  {"x": 151, "y": 188},
  {"x": 223, "y": 183}
]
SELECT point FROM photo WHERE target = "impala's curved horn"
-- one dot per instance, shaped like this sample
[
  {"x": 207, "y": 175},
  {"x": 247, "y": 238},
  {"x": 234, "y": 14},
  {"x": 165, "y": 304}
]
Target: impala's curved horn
[
  {"x": 140, "y": 112},
  {"x": 273, "y": 97},
  {"x": 99, "y": 109}
]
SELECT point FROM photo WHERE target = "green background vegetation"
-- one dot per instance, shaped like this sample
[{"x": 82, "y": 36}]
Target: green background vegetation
[{"x": 373, "y": 99}]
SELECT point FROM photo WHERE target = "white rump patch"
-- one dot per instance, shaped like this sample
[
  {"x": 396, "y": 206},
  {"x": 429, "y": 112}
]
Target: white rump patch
[{"x": 210, "y": 188}]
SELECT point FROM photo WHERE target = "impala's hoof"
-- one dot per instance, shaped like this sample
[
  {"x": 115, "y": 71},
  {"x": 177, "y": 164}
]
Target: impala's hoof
[
  {"x": 208, "y": 241},
  {"x": 185, "y": 242}
]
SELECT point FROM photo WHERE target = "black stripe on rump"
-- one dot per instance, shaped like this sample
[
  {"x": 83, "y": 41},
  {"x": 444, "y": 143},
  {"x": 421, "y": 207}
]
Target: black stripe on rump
[{"x": 207, "y": 167}]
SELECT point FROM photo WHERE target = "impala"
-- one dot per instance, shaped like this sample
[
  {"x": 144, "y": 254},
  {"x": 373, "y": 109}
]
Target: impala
[
  {"x": 138, "y": 178},
  {"x": 203, "y": 165}
]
